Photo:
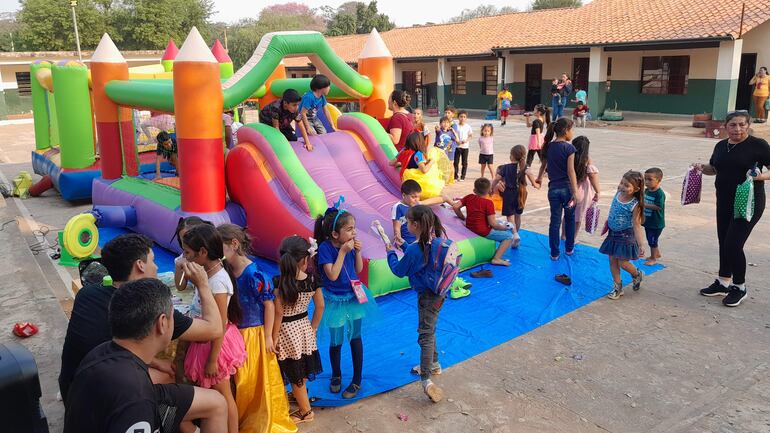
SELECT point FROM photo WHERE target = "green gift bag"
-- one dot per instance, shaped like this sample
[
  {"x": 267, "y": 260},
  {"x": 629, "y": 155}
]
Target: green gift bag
[{"x": 744, "y": 200}]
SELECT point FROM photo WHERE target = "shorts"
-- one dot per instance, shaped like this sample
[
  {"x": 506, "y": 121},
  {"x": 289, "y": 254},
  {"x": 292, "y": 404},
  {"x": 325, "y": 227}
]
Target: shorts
[
  {"x": 486, "y": 159},
  {"x": 172, "y": 402},
  {"x": 499, "y": 235},
  {"x": 511, "y": 203},
  {"x": 652, "y": 236},
  {"x": 504, "y": 112}
]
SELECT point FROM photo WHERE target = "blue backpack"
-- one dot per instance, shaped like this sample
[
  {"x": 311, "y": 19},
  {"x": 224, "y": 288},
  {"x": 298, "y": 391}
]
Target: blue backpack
[{"x": 446, "y": 265}]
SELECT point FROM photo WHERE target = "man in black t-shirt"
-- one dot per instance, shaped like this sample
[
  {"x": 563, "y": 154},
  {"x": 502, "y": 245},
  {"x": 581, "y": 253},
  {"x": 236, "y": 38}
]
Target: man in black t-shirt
[
  {"x": 112, "y": 391},
  {"x": 128, "y": 258}
]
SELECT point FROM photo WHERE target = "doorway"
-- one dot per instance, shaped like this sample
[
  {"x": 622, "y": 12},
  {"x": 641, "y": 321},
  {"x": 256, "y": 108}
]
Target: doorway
[
  {"x": 533, "y": 77},
  {"x": 580, "y": 74},
  {"x": 745, "y": 73},
  {"x": 412, "y": 82}
]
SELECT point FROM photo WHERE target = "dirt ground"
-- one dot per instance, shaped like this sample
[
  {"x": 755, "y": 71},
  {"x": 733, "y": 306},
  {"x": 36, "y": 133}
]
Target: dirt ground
[{"x": 661, "y": 360}]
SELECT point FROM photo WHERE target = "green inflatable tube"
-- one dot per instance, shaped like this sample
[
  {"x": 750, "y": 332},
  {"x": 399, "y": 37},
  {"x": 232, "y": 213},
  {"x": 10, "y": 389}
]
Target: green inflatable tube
[
  {"x": 40, "y": 106},
  {"x": 70, "y": 84},
  {"x": 154, "y": 94},
  {"x": 55, "y": 141},
  {"x": 302, "y": 85}
]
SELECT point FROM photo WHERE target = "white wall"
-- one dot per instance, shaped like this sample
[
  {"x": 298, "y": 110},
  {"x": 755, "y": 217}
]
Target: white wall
[
  {"x": 758, "y": 41},
  {"x": 429, "y": 70},
  {"x": 627, "y": 65}
]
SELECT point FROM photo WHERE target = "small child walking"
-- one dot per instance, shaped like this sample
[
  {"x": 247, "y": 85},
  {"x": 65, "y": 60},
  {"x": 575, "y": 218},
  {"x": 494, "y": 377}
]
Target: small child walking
[
  {"x": 625, "y": 239},
  {"x": 511, "y": 177},
  {"x": 260, "y": 395},
  {"x": 587, "y": 175},
  {"x": 339, "y": 261},
  {"x": 427, "y": 228},
  {"x": 446, "y": 137},
  {"x": 486, "y": 149},
  {"x": 293, "y": 332},
  {"x": 537, "y": 134},
  {"x": 654, "y": 211},
  {"x": 210, "y": 364}
]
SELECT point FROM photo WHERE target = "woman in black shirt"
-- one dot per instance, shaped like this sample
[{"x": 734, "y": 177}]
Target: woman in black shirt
[{"x": 731, "y": 160}]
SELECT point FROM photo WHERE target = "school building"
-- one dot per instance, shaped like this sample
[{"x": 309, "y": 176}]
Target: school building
[{"x": 661, "y": 56}]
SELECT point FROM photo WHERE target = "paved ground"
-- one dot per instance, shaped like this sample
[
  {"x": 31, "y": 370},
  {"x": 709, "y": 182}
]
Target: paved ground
[{"x": 661, "y": 360}]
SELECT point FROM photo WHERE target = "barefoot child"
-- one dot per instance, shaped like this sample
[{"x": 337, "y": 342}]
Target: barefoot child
[
  {"x": 339, "y": 261},
  {"x": 260, "y": 395},
  {"x": 294, "y": 334},
  {"x": 511, "y": 177},
  {"x": 426, "y": 227},
  {"x": 481, "y": 219},
  {"x": 486, "y": 149},
  {"x": 654, "y": 211},
  {"x": 210, "y": 364},
  {"x": 625, "y": 238}
]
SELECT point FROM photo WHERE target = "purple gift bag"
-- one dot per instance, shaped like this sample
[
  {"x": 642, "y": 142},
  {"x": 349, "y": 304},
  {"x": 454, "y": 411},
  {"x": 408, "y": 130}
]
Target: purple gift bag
[
  {"x": 592, "y": 218},
  {"x": 691, "y": 187}
]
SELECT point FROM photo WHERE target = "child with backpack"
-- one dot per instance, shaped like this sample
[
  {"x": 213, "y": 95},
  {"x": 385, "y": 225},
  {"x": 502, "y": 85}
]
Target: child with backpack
[{"x": 431, "y": 264}]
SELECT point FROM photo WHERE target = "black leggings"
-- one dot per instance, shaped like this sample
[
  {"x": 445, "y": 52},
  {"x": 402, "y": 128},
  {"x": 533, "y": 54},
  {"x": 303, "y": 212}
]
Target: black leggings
[
  {"x": 531, "y": 156},
  {"x": 733, "y": 234},
  {"x": 461, "y": 154}
]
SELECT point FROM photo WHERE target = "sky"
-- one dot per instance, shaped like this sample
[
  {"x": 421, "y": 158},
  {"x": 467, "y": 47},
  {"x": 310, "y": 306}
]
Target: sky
[{"x": 402, "y": 12}]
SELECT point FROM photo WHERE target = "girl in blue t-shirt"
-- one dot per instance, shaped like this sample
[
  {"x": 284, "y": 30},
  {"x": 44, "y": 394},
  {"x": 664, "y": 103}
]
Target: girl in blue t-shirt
[
  {"x": 417, "y": 264},
  {"x": 625, "y": 239},
  {"x": 339, "y": 261}
]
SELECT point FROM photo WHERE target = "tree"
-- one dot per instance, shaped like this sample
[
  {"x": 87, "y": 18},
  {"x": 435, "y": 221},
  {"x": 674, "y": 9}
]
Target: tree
[
  {"x": 551, "y": 4},
  {"x": 147, "y": 25},
  {"x": 46, "y": 25},
  {"x": 481, "y": 11},
  {"x": 9, "y": 29},
  {"x": 355, "y": 18}
]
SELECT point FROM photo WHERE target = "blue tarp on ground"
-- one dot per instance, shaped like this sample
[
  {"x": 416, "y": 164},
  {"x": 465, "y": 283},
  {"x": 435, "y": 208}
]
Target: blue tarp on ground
[{"x": 516, "y": 300}]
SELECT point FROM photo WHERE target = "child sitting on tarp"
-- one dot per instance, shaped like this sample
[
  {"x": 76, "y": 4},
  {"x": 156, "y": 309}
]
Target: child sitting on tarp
[
  {"x": 166, "y": 150},
  {"x": 281, "y": 113}
]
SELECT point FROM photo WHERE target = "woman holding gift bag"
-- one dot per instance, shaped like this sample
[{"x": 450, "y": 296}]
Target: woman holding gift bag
[{"x": 731, "y": 162}]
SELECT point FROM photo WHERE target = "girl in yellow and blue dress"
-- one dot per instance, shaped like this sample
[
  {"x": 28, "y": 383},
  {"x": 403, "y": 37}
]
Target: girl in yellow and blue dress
[{"x": 260, "y": 395}]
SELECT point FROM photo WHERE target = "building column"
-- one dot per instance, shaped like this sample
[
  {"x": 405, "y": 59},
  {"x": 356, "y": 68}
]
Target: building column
[
  {"x": 398, "y": 76},
  {"x": 726, "y": 87},
  {"x": 443, "y": 80},
  {"x": 597, "y": 82}
]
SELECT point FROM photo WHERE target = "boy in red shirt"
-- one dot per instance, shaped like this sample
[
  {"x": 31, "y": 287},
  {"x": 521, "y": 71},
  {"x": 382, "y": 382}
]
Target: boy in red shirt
[
  {"x": 481, "y": 219},
  {"x": 579, "y": 114}
]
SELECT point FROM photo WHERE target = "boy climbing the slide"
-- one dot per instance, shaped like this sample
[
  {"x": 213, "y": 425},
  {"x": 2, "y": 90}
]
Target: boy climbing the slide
[
  {"x": 281, "y": 113},
  {"x": 166, "y": 150},
  {"x": 313, "y": 102}
]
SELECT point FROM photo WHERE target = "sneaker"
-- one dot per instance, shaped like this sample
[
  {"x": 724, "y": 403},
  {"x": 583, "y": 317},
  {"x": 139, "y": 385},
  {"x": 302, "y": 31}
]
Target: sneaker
[
  {"x": 435, "y": 369},
  {"x": 616, "y": 292},
  {"x": 351, "y": 391},
  {"x": 715, "y": 289},
  {"x": 335, "y": 385},
  {"x": 516, "y": 240},
  {"x": 433, "y": 392},
  {"x": 735, "y": 297},
  {"x": 636, "y": 282}
]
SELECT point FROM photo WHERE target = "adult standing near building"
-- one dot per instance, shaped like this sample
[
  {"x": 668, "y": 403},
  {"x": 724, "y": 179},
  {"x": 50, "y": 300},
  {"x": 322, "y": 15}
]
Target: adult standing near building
[
  {"x": 402, "y": 123},
  {"x": 112, "y": 390},
  {"x": 505, "y": 99},
  {"x": 760, "y": 81},
  {"x": 730, "y": 162},
  {"x": 565, "y": 90}
]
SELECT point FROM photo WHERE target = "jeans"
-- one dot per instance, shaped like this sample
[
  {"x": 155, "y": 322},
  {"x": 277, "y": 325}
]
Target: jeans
[
  {"x": 461, "y": 154},
  {"x": 652, "y": 236},
  {"x": 428, "y": 306},
  {"x": 289, "y": 133},
  {"x": 559, "y": 199},
  {"x": 557, "y": 102},
  {"x": 317, "y": 125}
]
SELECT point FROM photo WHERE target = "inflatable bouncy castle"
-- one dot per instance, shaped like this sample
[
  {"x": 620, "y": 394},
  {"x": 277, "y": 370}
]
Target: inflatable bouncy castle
[{"x": 271, "y": 186}]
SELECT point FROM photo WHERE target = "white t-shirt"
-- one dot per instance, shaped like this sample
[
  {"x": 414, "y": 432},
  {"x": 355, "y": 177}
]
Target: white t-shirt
[
  {"x": 463, "y": 132},
  {"x": 218, "y": 283}
]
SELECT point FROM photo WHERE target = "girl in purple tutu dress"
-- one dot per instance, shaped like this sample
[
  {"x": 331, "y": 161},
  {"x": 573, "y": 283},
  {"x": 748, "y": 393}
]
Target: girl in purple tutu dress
[{"x": 210, "y": 364}]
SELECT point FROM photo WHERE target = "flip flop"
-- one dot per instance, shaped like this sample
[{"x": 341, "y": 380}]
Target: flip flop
[{"x": 564, "y": 279}]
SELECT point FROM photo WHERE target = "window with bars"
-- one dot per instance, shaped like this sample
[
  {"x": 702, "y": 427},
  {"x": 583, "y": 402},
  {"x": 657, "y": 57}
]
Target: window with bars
[
  {"x": 23, "y": 83},
  {"x": 489, "y": 86},
  {"x": 458, "y": 80},
  {"x": 667, "y": 75}
]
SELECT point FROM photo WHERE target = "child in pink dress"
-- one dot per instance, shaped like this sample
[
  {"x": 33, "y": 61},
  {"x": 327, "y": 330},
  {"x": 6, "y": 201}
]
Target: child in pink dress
[{"x": 587, "y": 178}]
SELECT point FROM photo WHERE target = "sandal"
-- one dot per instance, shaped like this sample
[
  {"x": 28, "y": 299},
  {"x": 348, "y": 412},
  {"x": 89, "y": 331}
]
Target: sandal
[
  {"x": 335, "y": 385},
  {"x": 564, "y": 279},
  {"x": 483, "y": 273},
  {"x": 298, "y": 417}
]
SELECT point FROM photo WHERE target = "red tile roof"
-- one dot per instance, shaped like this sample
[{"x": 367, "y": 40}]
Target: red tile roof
[{"x": 600, "y": 22}]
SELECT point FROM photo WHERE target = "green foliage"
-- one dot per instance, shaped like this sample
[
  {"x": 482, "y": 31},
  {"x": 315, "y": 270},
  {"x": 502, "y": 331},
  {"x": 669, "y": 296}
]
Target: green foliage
[
  {"x": 481, "y": 11},
  {"x": 46, "y": 25},
  {"x": 356, "y": 18},
  {"x": 9, "y": 29},
  {"x": 551, "y": 4}
]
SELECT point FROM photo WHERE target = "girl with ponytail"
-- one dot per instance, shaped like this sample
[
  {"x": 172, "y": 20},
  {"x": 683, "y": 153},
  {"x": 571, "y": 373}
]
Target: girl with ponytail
[
  {"x": 293, "y": 333},
  {"x": 418, "y": 265},
  {"x": 260, "y": 396},
  {"x": 210, "y": 364}
]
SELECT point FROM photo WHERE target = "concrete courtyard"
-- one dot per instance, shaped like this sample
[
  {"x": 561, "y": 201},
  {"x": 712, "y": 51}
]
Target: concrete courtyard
[{"x": 661, "y": 360}]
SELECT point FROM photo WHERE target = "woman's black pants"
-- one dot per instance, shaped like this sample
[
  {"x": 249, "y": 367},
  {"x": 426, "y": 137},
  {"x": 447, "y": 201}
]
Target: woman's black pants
[{"x": 733, "y": 233}]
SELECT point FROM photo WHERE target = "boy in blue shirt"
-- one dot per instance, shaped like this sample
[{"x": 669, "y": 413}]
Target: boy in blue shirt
[
  {"x": 314, "y": 101},
  {"x": 410, "y": 196}
]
